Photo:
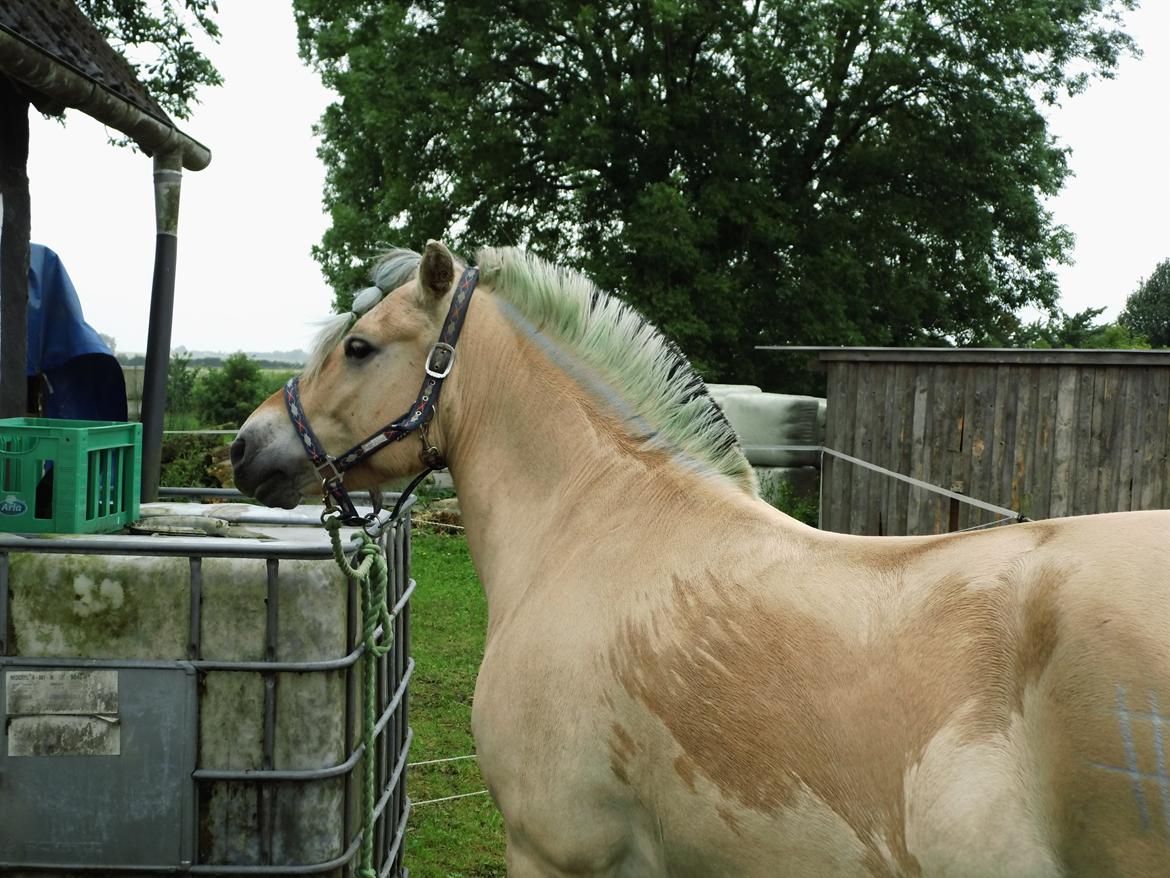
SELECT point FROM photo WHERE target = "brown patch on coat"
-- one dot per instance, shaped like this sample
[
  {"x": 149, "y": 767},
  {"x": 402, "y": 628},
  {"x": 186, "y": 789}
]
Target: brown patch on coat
[
  {"x": 730, "y": 819},
  {"x": 763, "y": 699},
  {"x": 621, "y": 748}
]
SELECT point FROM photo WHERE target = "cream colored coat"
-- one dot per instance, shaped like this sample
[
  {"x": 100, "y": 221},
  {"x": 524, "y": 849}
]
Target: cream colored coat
[{"x": 681, "y": 681}]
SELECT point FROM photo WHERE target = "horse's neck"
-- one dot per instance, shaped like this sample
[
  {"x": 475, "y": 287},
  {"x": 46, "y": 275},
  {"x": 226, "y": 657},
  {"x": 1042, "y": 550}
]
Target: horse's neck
[{"x": 536, "y": 455}]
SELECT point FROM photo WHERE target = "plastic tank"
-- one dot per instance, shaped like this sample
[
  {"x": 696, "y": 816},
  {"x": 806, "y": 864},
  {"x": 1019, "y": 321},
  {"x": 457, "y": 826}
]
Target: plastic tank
[{"x": 178, "y": 702}]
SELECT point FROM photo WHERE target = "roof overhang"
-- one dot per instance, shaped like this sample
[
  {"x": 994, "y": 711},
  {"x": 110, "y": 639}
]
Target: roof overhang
[{"x": 57, "y": 86}]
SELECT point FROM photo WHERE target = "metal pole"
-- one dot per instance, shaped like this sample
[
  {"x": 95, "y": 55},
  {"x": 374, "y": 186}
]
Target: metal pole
[
  {"x": 168, "y": 178},
  {"x": 14, "y": 236}
]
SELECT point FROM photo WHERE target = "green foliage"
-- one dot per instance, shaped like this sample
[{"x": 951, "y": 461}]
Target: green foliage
[
  {"x": 226, "y": 396},
  {"x": 155, "y": 37},
  {"x": 187, "y": 460},
  {"x": 181, "y": 380},
  {"x": 778, "y": 171},
  {"x": 804, "y": 506},
  {"x": 448, "y": 622},
  {"x": 1147, "y": 310},
  {"x": 1078, "y": 330}
]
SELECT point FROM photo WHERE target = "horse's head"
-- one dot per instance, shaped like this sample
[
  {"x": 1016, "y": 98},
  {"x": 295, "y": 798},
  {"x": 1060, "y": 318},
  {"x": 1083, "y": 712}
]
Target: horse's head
[{"x": 365, "y": 373}]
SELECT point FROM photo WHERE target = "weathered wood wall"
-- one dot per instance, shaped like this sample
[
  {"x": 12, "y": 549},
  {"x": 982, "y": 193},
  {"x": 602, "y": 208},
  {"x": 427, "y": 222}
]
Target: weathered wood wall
[{"x": 1046, "y": 433}]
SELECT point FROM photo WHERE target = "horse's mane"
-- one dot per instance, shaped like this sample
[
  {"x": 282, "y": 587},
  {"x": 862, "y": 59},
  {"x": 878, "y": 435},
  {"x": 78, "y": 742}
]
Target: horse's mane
[{"x": 647, "y": 369}]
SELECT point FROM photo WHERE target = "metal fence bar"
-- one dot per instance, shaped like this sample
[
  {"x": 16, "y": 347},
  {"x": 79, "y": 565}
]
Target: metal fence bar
[{"x": 918, "y": 483}]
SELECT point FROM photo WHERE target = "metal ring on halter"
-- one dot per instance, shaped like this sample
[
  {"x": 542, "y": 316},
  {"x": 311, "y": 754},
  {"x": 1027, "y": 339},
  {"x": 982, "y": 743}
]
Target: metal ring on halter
[{"x": 373, "y": 525}]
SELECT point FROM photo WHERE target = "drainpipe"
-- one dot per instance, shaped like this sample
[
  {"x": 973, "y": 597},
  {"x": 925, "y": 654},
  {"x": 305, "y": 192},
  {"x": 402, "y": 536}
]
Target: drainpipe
[{"x": 168, "y": 178}]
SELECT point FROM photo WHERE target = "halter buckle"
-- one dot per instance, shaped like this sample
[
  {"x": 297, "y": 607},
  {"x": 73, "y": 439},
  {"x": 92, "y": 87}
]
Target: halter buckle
[{"x": 446, "y": 360}]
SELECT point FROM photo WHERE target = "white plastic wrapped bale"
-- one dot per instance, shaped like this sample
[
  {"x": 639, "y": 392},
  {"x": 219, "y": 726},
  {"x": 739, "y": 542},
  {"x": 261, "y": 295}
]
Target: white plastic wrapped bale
[
  {"x": 765, "y": 422},
  {"x": 721, "y": 391}
]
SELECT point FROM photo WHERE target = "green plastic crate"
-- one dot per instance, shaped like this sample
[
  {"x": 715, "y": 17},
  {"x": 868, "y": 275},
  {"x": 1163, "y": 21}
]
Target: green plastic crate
[{"x": 68, "y": 476}]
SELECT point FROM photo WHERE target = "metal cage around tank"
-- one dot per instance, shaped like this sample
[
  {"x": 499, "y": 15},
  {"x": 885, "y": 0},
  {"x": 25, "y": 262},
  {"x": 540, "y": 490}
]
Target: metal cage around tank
[{"x": 144, "y": 731}]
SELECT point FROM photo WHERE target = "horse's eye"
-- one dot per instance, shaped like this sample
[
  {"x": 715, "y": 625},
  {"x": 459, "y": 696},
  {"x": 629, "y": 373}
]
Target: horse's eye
[{"x": 357, "y": 348}]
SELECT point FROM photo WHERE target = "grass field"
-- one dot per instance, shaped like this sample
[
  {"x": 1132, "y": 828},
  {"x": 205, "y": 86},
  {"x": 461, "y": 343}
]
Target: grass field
[{"x": 463, "y": 838}]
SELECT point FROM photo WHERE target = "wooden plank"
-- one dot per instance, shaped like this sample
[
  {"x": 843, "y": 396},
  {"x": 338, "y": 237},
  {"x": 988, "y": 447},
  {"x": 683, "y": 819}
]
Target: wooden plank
[
  {"x": 981, "y": 443},
  {"x": 959, "y": 472},
  {"x": 1153, "y": 485},
  {"x": 1008, "y": 389},
  {"x": 892, "y": 445},
  {"x": 1164, "y": 432},
  {"x": 973, "y": 395},
  {"x": 1021, "y": 474},
  {"x": 947, "y": 439},
  {"x": 838, "y": 410},
  {"x": 905, "y": 376},
  {"x": 1045, "y": 460},
  {"x": 879, "y": 418},
  {"x": 1083, "y": 493},
  {"x": 1129, "y": 405},
  {"x": 1063, "y": 437},
  {"x": 918, "y": 450},
  {"x": 1145, "y": 418},
  {"x": 1108, "y": 429},
  {"x": 862, "y": 438}
]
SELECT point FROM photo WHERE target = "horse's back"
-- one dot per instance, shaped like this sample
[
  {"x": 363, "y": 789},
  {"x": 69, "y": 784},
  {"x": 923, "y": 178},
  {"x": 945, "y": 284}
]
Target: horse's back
[{"x": 1063, "y": 628}]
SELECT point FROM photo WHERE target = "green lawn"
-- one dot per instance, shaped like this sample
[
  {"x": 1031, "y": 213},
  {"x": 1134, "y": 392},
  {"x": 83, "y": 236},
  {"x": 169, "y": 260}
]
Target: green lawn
[{"x": 463, "y": 838}]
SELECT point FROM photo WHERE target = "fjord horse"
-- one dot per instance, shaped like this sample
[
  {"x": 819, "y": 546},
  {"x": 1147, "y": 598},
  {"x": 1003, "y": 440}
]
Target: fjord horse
[{"x": 679, "y": 680}]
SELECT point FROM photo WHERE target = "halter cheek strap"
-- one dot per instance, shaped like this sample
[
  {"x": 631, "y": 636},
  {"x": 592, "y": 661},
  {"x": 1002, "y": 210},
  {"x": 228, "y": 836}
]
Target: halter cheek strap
[{"x": 438, "y": 367}]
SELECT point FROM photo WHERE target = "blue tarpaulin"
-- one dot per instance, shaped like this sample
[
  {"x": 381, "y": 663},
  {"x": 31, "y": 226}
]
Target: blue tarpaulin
[{"x": 83, "y": 379}]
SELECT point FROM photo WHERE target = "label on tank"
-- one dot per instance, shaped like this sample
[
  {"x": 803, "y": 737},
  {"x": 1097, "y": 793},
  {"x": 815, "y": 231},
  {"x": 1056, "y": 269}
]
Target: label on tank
[{"x": 62, "y": 713}]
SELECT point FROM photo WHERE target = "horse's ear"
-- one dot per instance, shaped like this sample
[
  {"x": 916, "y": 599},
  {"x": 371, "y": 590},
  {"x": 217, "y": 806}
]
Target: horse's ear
[{"x": 436, "y": 272}]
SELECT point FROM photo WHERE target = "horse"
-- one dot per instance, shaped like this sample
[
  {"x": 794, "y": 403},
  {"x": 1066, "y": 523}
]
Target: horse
[{"x": 680, "y": 680}]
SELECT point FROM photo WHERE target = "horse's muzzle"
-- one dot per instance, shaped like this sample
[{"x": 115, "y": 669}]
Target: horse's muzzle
[{"x": 260, "y": 471}]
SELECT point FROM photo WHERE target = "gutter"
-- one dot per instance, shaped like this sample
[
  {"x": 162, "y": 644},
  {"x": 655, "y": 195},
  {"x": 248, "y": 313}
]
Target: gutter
[{"x": 66, "y": 87}]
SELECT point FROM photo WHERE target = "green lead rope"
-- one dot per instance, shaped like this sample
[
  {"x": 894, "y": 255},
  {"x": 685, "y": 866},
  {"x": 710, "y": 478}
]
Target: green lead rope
[{"x": 371, "y": 576}]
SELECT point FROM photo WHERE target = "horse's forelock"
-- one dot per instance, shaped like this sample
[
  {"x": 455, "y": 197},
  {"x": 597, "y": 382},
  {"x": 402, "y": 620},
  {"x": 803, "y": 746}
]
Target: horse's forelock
[{"x": 394, "y": 268}]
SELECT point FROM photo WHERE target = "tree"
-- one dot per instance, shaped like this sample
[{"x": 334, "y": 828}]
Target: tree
[
  {"x": 1147, "y": 310},
  {"x": 227, "y": 395},
  {"x": 1078, "y": 330},
  {"x": 155, "y": 37},
  {"x": 181, "y": 381},
  {"x": 776, "y": 171}
]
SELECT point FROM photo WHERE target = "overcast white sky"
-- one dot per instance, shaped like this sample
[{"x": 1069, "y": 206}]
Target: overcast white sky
[{"x": 246, "y": 280}]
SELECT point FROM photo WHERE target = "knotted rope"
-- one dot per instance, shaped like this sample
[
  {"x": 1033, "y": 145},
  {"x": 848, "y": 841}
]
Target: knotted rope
[{"x": 371, "y": 575}]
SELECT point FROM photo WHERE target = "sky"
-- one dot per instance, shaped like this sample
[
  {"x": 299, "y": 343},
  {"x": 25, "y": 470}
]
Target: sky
[{"x": 246, "y": 279}]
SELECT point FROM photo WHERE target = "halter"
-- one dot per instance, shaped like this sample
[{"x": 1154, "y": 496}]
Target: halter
[{"x": 438, "y": 367}]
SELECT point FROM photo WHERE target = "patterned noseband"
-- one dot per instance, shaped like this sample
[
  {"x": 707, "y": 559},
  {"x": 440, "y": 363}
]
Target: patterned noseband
[{"x": 438, "y": 367}]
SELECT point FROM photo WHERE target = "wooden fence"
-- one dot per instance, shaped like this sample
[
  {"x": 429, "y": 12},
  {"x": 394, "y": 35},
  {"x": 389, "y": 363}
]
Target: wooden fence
[{"x": 1044, "y": 432}]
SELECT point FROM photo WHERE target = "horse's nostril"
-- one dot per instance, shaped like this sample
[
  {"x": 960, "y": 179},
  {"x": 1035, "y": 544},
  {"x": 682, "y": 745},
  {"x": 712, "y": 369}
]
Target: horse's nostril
[{"x": 237, "y": 451}]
